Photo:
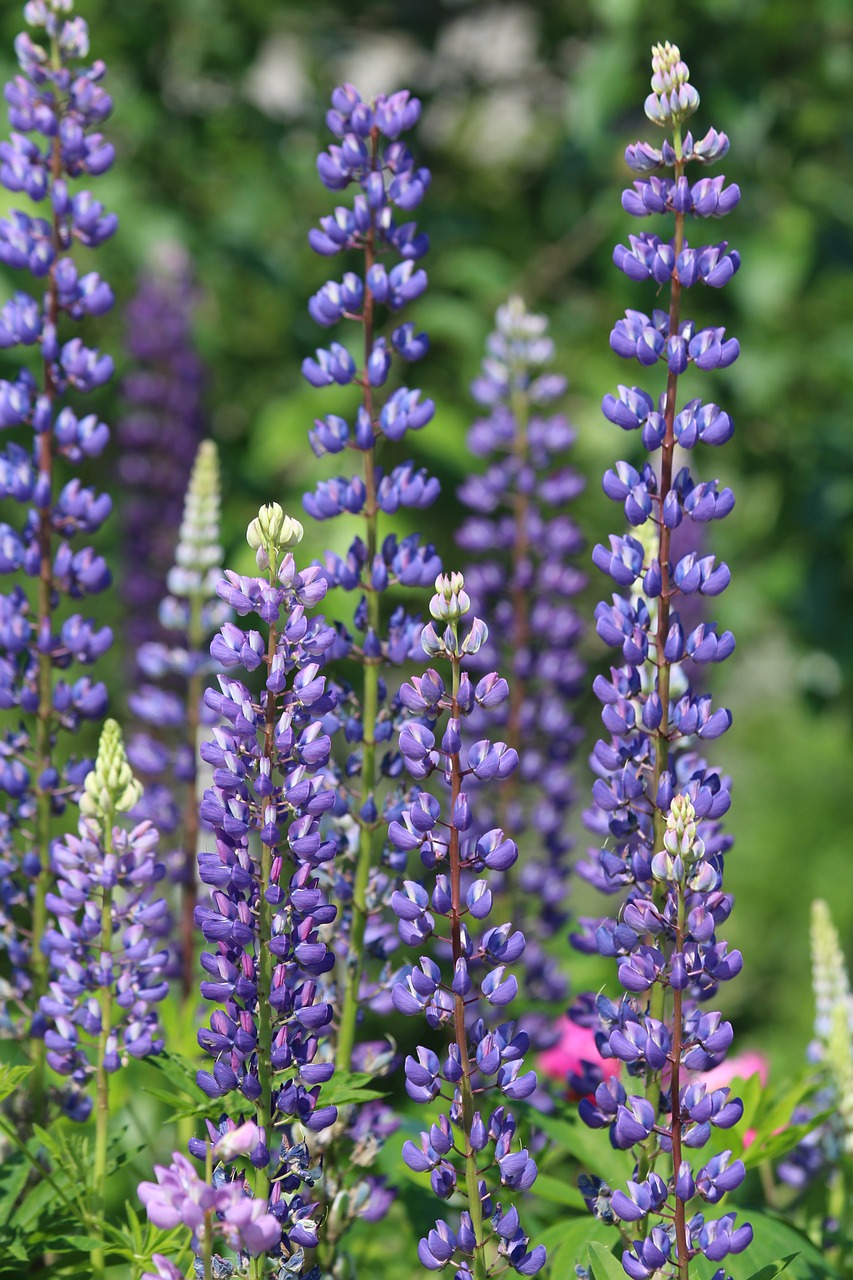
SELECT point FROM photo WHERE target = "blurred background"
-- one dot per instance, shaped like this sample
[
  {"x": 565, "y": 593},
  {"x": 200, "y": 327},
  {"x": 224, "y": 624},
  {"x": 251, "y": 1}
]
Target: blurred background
[{"x": 219, "y": 114}]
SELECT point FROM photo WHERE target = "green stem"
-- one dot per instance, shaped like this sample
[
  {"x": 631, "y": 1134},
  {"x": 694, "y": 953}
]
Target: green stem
[
  {"x": 472, "y": 1178},
  {"x": 370, "y": 703},
  {"x": 102, "y": 1095},
  {"x": 661, "y": 734},
  {"x": 207, "y": 1243},
  {"x": 189, "y": 895},
  {"x": 683, "y": 1262},
  {"x": 44, "y": 734},
  {"x": 264, "y": 961}
]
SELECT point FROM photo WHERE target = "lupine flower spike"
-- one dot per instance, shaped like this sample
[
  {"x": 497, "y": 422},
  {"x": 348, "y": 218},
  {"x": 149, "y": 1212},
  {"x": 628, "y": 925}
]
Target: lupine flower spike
[
  {"x": 370, "y": 156},
  {"x": 827, "y": 1151},
  {"x": 524, "y": 579},
  {"x": 107, "y": 970},
  {"x": 482, "y": 1066},
  {"x": 169, "y": 698},
  {"x": 56, "y": 107},
  {"x": 658, "y": 802},
  {"x": 158, "y": 433},
  {"x": 266, "y": 911}
]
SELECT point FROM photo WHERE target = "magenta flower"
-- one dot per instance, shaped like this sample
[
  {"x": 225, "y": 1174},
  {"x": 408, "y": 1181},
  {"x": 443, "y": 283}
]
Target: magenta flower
[
  {"x": 179, "y": 1196},
  {"x": 569, "y": 1060}
]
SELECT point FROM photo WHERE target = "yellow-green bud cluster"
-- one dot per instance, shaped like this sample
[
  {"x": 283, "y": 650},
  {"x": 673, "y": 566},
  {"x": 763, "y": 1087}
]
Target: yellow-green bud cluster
[
  {"x": 681, "y": 859},
  {"x": 110, "y": 787},
  {"x": 271, "y": 533},
  {"x": 451, "y": 600}
]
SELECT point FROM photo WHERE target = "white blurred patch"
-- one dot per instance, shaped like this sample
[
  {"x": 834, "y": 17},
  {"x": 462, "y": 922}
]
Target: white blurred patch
[
  {"x": 490, "y": 46},
  {"x": 381, "y": 64},
  {"x": 276, "y": 83}
]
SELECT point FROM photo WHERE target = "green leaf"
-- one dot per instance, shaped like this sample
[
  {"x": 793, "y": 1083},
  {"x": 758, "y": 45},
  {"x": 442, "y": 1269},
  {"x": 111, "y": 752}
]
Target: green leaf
[
  {"x": 347, "y": 1087},
  {"x": 558, "y": 1191},
  {"x": 588, "y": 1147},
  {"x": 568, "y": 1242},
  {"x": 774, "y": 1269},
  {"x": 83, "y": 1244},
  {"x": 14, "y": 1175},
  {"x": 12, "y": 1079},
  {"x": 604, "y": 1265}
]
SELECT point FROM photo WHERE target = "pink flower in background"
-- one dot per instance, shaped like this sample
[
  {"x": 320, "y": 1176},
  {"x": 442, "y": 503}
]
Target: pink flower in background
[
  {"x": 742, "y": 1065},
  {"x": 573, "y": 1055}
]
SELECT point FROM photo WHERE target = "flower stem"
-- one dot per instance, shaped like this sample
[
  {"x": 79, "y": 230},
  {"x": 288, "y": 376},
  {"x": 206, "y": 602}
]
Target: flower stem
[
  {"x": 44, "y": 736},
  {"x": 264, "y": 955},
  {"x": 472, "y": 1180},
  {"x": 675, "y": 1092},
  {"x": 661, "y": 734},
  {"x": 102, "y": 1097},
  {"x": 207, "y": 1244},
  {"x": 370, "y": 702},
  {"x": 189, "y": 895}
]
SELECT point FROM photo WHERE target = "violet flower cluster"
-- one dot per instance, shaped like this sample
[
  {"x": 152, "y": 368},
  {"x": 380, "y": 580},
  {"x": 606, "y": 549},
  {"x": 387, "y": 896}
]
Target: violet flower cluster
[
  {"x": 476, "y": 1141},
  {"x": 107, "y": 967},
  {"x": 658, "y": 803},
  {"x": 159, "y": 431},
  {"x": 218, "y": 1210},
  {"x": 169, "y": 698},
  {"x": 371, "y": 157},
  {"x": 56, "y": 106},
  {"x": 524, "y": 581},
  {"x": 266, "y": 912}
]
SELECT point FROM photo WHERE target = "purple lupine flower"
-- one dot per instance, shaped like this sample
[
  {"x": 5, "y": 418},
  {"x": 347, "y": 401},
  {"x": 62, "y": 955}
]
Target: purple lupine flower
[
  {"x": 370, "y": 157},
  {"x": 376, "y": 231},
  {"x": 158, "y": 433},
  {"x": 218, "y": 1209},
  {"x": 524, "y": 580},
  {"x": 56, "y": 106},
  {"x": 169, "y": 698},
  {"x": 107, "y": 969},
  {"x": 470, "y": 1146},
  {"x": 658, "y": 803},
  {"x": 266, "y": 910}
]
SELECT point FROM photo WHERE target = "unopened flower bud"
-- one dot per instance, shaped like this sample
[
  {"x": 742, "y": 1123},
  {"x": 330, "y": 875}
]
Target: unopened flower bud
[
  {"x": 110, "y": 787},
  {"x": 450, "y": 601}
]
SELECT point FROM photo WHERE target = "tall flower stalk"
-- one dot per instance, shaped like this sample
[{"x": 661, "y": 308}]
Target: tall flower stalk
[
  {"x": 825, "y": 1155},
  {"x": 170, "y": 697},
  {"x": 480, "y": 1061},
  {"x": 266, "y": 911},
  {"x": 658, "y": 802},
  {"x": 371, "y": 157},
  {"x": 524, "y": 580},
  {"x": 56, "y": 106},
  {"x": 106, "y": 971},
  {"x": 158, "y": 433}
]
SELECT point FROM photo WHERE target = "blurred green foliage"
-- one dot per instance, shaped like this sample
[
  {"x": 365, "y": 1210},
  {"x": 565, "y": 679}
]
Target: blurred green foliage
[{"x": 219, "y": 114}]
